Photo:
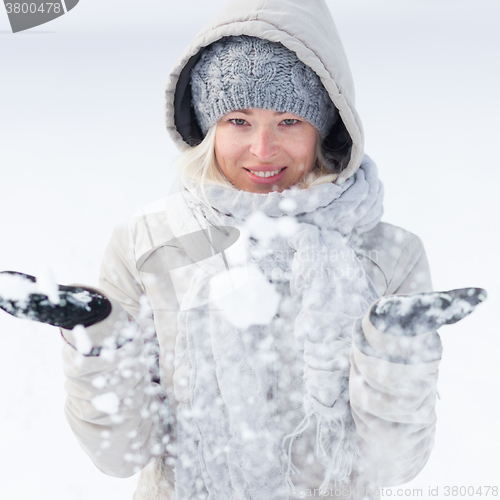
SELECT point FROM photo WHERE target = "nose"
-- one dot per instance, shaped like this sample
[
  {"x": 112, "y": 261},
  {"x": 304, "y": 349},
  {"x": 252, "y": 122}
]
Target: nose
[{"x": 264, "y": 144}]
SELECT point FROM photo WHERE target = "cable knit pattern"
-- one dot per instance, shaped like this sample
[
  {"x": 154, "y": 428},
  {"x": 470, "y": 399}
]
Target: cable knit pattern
[{"x": 246, "y": 72}]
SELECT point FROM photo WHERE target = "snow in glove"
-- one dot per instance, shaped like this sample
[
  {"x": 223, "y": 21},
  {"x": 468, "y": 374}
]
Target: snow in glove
[
  {"x": 413, "y": 315},
  {"x": 65, "y": 307}
]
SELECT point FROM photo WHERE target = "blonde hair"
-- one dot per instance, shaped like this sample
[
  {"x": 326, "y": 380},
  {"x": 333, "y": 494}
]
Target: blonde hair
[{"x": 199, "y": 165}]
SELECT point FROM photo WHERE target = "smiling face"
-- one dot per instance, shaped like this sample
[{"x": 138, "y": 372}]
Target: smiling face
[{"x": 261, "y": 151}]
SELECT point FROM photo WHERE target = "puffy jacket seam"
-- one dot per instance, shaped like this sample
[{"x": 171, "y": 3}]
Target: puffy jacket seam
[
  {"x": 261, "y": 9},
  {"x": 415, "y": 238},
  {"x": 375, "y": 264},
  {"x": 131, "y": 235}
]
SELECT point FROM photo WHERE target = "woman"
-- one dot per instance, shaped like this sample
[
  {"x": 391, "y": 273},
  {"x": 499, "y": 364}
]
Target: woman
[{"x": 240, "y": 335}]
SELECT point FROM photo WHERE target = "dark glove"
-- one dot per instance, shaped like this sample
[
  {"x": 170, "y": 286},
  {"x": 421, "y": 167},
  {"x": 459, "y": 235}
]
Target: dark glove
[
  {"x": 424, "y": 312},
  {"x": 77, "y": 305}
]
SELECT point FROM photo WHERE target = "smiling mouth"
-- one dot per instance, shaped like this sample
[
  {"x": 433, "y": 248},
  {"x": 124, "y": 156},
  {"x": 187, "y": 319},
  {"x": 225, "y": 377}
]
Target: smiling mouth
[{"x": 270, "y": 173}]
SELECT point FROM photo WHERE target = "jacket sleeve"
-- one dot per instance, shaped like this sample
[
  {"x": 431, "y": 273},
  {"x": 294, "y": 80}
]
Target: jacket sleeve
[
  {"x": 393, "y": 386},
  {"x": 115, "y": 405}
]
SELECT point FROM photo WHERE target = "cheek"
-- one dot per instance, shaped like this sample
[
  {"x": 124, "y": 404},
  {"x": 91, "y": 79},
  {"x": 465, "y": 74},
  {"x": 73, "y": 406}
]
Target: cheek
[
  {"x": 226, "y": 150},
  {"x": 304, "y": 150}
]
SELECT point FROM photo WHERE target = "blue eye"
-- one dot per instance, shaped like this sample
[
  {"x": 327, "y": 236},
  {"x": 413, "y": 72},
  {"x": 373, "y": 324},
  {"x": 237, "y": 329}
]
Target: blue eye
[
  {"x": 290, "y": 121},
  {"x": 238, "y": 121}
]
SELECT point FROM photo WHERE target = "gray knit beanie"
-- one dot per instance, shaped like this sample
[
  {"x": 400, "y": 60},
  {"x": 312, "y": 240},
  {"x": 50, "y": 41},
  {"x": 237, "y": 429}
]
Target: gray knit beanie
[{"x": 243, "y": 72}]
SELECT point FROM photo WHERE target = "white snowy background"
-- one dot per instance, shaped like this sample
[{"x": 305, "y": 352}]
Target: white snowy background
[{"x": 83, "y": 146}]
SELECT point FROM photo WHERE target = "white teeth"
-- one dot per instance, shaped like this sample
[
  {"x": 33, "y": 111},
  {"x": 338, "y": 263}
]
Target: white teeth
[{"x": 266, "y": 174}]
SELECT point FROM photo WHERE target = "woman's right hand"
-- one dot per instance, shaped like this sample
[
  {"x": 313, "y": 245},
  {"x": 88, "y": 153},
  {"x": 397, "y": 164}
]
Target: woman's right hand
[{"x": 67, "y": 307}]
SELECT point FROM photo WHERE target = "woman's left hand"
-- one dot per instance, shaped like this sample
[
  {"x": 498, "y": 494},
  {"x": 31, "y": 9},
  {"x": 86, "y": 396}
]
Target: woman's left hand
[{"x": 410, "y": 315}]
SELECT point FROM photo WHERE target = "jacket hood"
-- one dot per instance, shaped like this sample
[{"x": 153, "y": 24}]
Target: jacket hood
[{"x": 306, "y": 28}]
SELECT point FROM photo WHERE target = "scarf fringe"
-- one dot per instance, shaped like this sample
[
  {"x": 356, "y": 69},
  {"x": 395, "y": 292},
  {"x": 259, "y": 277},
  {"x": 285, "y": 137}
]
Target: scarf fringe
[
  {"x": 339, "y": 460},
  {"x": 290, "y": 467}
]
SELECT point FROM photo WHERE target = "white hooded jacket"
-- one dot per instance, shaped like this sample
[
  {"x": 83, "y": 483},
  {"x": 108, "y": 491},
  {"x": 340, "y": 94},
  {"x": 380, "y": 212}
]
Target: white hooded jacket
[{"x": 116, "y": 401}]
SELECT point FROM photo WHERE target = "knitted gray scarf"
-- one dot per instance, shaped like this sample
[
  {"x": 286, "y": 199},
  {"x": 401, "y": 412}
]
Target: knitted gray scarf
[{"x": 229, "y": 447}]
